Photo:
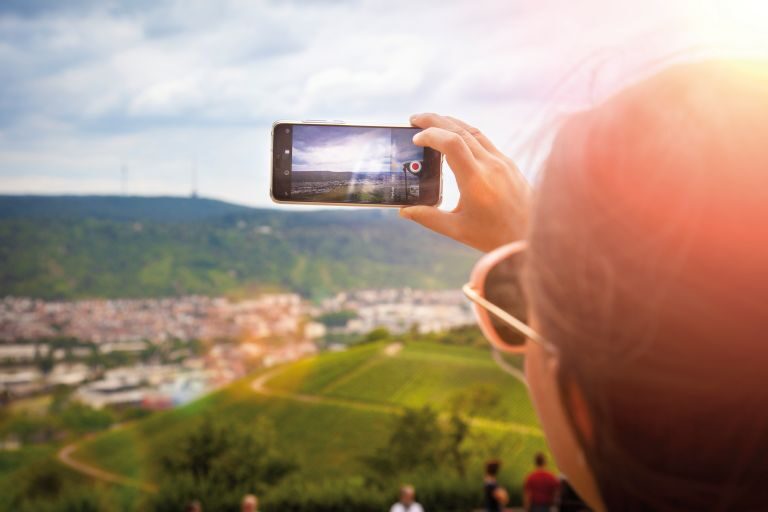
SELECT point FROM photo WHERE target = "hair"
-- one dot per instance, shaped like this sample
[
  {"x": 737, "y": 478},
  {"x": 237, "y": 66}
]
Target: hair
[
  {"x": 407, "y": 489},
  {"x": 648, "y": 269},
  {"x": 492, "y": 467},
  {"x": 540, "y": 460}
]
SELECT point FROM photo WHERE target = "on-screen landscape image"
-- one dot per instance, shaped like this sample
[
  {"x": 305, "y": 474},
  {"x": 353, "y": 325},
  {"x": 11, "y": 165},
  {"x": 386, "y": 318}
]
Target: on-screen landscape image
[{"x": 354, "y": 164}]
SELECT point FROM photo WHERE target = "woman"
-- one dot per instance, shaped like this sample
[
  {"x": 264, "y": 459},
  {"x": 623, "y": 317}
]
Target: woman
[{"x": 645, "y": 274}]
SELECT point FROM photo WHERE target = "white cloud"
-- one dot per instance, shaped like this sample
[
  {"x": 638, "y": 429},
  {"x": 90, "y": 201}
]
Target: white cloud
[{"x": 156, "y": 85}]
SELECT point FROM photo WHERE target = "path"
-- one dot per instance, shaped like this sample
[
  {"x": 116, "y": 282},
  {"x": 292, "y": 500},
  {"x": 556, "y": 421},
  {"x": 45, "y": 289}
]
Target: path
[{"x": 65, "y": 457}]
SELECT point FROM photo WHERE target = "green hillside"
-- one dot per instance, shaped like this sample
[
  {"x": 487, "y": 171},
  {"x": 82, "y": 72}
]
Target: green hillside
[
  {"x": 74, "y": 247},
  {"x": 334, "y": 409}
]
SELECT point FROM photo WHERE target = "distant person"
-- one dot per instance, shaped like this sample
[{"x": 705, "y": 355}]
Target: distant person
[
  {"x": 407, "y": 501},
  {"x": 496, "y": 497},
  {"x": 194, "y": 506},
  {"x": 250, "y": 503},
  {"x": 568, "y": 499},
  {"x": 540, "y": 488}
]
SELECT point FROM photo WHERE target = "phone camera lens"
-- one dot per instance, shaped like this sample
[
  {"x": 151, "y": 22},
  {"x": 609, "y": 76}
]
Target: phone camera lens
[{"x": 286, "y": 172}]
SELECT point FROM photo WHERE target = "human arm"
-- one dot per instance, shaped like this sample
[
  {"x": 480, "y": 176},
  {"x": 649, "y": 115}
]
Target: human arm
[
  {"x": 494, "y": 195},
  {"x": 501, "y": 495}
]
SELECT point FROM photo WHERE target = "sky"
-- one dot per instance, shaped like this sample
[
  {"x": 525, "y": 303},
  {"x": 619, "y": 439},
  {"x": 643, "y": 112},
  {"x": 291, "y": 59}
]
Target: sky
[
  {"x": 352, "y": 149},
  {"x": 159, "y": 97}
]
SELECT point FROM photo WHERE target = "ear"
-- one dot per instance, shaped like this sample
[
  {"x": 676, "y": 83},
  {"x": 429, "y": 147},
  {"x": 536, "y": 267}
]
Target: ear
[
  {"x": 574, "y": 396},
  {"x": 578, "y": 407}
]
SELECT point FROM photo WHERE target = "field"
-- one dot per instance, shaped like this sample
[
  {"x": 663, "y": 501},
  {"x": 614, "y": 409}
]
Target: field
[
  {"x": 334, "y": 408},
  {"x": 366, "y": 187}
]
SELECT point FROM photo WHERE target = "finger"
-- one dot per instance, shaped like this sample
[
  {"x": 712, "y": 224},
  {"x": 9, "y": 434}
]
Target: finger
[
  {"x": 431, "y": 218},
  {"x": 437, "y": 121},
  {"x": 460, "y": 158},
  {"x": 480, "y": 136}
]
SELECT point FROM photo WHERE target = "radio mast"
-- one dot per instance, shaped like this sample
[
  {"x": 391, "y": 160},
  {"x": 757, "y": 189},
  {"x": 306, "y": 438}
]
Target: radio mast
[
  {"x": 123, "y": 180},
  {"x": 193, "y": 179}
]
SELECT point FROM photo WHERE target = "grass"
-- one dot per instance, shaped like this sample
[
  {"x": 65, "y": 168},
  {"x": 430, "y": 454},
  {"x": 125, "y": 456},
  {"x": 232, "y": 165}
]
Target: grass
[{"x": 355, "y": 397}]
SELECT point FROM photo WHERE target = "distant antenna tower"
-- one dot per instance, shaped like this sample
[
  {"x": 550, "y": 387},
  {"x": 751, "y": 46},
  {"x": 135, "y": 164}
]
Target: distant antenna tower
[
  {"x": 123, "y": 180},
  {"x": 193, "y": 178}
]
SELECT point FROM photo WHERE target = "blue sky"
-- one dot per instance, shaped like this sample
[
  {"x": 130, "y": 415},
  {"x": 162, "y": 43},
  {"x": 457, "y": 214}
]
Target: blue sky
[{"x": 161, "y": 87}]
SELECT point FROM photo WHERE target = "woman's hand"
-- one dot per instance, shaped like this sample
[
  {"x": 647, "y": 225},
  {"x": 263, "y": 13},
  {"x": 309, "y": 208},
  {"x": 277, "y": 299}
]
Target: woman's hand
[{"x": 494, "y": 195}]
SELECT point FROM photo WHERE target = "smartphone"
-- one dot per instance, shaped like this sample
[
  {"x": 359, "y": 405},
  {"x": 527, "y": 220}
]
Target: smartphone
[{"x": 334, "y": 163}]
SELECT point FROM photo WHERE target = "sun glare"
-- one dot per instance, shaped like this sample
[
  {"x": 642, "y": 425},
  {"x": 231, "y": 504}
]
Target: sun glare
[{"x": 738, "y": 28}]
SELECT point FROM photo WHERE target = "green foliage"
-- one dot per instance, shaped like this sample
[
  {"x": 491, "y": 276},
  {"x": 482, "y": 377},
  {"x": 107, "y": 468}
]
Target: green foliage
[
  {"x": 218, "y": 462},
  {"x": 29, "y": 428},
  {"x": 348, "y": 410},
  {"x": 468, "y": 336},
  {"x": 52, "y": 248},
  {"x": 80, "y": 418},
  {"x": 303, "y": 495},
  {"x": 378, "y": 334},
  {"x": 44, "y": 485},
  {"x": 336, "y": 318},
  {"x": 419, "y": 443},
  {"x": 476, "y": 399},
  {"x": 73, "y": 499}
]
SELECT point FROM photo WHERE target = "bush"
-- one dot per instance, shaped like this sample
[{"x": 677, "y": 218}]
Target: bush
[
  {"x": 78, "y": 499},
  {"x": 297, "y": 495},
  {"x": 218, "y": 463},
  {"x": 81, "y": 418}
]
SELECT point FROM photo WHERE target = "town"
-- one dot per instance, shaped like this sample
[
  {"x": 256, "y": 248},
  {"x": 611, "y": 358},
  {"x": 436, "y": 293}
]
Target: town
[{"x": 159, "y": 353}]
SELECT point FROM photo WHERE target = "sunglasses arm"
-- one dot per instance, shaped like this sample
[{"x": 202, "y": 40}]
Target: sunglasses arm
[{"x": 510, "y": 320}]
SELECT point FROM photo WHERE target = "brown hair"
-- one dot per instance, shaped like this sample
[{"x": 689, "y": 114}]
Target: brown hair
[
  {"x": 648, "y": 269},
  {"x": 492, "y": 467}
]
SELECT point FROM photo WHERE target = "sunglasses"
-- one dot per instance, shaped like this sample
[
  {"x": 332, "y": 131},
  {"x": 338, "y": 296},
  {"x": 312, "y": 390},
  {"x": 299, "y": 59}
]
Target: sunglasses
[{"x": 496, "y": 291}]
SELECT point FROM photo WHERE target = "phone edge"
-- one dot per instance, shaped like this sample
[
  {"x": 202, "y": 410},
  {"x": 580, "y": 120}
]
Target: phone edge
[{"x": 355, "y": 205}]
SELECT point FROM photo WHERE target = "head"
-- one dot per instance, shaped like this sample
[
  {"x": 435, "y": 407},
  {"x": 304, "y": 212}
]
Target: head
[
  {"x": 492, "y": 467},
  {"x": 194, "y": 506},
  {"x": 647, "y": 268},
  {"x": 540, "y": 460},
  {"x": 250, "y": 503},
  {"x": 407, "y": 494}
]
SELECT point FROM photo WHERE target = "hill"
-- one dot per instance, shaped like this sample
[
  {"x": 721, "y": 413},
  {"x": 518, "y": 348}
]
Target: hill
[
  {"x": 158, "y": 209},
  {"x": 333, "y": 409},
  {"x": 64, "y": 247}
]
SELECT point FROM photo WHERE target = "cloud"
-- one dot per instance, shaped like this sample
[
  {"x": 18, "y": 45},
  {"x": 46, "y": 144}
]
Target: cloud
[{"x": 90, "y": 86}]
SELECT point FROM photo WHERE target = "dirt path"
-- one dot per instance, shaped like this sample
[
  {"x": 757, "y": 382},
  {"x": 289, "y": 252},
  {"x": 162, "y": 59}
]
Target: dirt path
[{"x": 65, "y": 457}]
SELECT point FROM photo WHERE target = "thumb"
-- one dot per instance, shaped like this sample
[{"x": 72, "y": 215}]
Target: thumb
[{"x": 431, "y": 218}]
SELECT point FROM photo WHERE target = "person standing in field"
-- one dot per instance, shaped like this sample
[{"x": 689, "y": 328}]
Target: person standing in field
[
  {"x": 250, "y": 503},
  {"x": 496, "y": 497},
  {"x": 540, "y": 488},
  {"x": 407, "y": 501}
]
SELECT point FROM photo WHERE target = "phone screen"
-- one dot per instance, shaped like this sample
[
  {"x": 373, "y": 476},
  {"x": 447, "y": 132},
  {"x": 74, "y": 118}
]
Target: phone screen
[{"x": 355, "y": 164}]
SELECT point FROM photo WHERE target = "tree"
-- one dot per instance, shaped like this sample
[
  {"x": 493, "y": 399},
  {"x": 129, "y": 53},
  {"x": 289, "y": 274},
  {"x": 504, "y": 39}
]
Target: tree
[
  {"x": 217, "y": 462},
  {"x": 378, "y": 334},
  {"x": 480, "y": 398},
  {"x": 420, "y": 442}
]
